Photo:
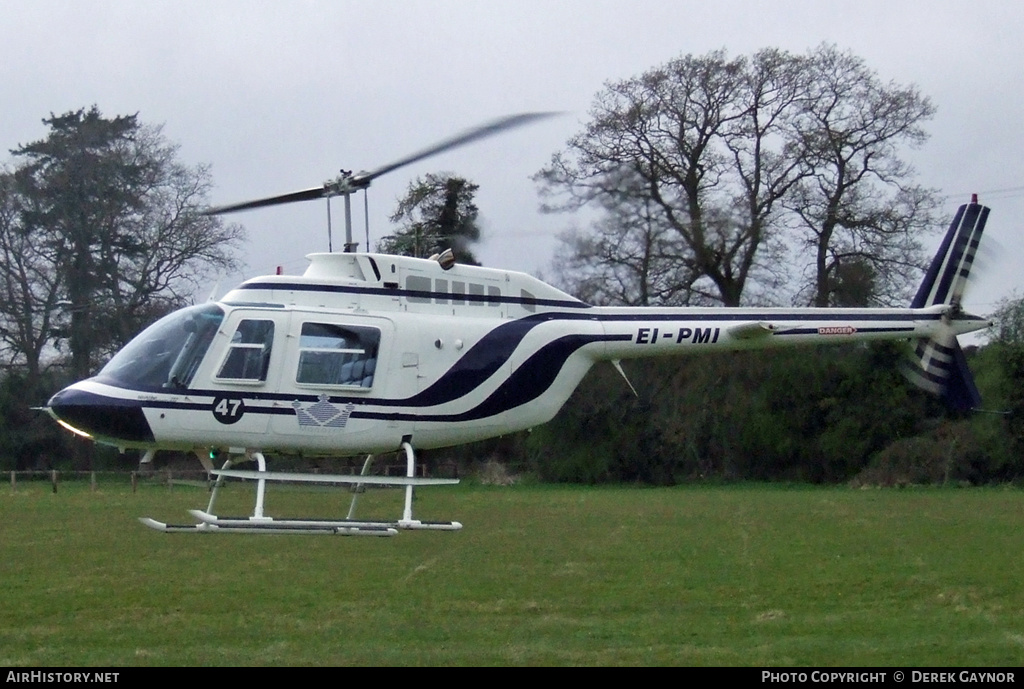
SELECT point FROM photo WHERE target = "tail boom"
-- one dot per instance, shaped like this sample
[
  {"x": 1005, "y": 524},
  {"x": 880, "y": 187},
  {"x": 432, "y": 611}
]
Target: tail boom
[
  {"x": 639, "y": 333},
  {"x": 933, "y": 321}
]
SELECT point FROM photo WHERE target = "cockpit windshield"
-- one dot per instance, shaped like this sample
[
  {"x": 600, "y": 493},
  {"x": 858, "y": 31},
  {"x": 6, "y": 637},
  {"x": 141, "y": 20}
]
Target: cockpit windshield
[{"x": 165, "y": 355}]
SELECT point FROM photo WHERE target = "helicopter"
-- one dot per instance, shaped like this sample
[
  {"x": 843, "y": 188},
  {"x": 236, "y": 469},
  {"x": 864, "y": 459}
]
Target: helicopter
[{"x": 369, "y": 353}]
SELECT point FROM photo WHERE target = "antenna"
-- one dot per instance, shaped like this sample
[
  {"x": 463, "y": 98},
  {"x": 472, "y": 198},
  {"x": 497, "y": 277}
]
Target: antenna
[
  {"x": 366, "y": 217},
  {"x": 330, "y": 241}
]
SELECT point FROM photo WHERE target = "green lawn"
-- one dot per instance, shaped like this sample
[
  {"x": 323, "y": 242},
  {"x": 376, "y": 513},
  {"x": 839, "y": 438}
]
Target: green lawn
[{"x": 741, "y": 575}]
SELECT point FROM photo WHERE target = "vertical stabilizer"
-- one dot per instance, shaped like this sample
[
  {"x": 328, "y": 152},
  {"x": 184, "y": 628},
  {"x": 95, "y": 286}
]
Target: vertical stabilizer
[
  {"x": 947, "y": 275},
  {"x": 938, "y": 365}
]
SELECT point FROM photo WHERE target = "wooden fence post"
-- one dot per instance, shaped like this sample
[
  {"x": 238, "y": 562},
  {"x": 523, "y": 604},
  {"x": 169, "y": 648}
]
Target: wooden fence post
[{"x": 53, "y": 480}]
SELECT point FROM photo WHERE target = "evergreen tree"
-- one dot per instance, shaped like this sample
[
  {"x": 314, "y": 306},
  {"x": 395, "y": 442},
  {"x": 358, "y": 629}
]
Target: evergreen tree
[
  {"x": 437, "y": 213},
  {"x": 101, "y": 233}
]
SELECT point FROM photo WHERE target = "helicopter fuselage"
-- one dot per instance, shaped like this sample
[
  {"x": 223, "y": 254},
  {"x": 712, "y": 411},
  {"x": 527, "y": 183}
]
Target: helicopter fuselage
[{"x": 365, "y": 351}]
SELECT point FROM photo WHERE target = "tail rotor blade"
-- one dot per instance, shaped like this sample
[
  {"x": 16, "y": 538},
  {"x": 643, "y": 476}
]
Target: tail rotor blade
[{"x": 938, "y": 366}]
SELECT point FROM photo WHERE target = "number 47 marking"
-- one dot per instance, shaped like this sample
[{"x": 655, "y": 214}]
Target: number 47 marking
[
  {"x": 228, "y": 410},
  {"x": 223, "y": 407}
]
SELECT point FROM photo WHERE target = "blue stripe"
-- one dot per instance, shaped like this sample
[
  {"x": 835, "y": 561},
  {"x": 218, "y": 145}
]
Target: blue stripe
[
  {"x": 416, "y": 294},
  {"x": 735, "y": 314},
  {"x": 528, "y": 382},
  {"x": 814, "y": 331}
]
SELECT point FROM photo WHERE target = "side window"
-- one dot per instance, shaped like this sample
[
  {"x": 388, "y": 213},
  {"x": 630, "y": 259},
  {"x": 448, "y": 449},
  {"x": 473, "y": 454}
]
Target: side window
[
  {"x": 418, "y": 283},
  {"x": 458, "y": 290},
  {"x": 441, "y": 290},
  {"x": 529, "y": 301},
  {"x": 337, "y": 355},
  {"x": 249, "y": 356}
]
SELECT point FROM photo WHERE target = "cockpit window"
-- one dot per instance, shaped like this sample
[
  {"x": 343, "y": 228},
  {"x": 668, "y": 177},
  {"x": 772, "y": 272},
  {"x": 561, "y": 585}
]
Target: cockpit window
[
  {"x": 248, "y": 358},
  {"x": 166, "y": 354}
]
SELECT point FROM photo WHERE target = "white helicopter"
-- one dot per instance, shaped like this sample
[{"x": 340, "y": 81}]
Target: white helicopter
[{"x": 372, "y": 353}]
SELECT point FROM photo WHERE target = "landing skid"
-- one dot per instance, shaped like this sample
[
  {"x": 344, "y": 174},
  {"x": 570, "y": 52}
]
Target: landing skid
[
  {"x": 258, "y": 523},
  {"x": 271, "y": 526}
]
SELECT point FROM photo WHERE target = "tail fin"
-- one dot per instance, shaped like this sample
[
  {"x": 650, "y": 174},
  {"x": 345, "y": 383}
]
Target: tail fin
[
  {"x": 947, "y": 276},
  {"x": 938, "y": 364}
]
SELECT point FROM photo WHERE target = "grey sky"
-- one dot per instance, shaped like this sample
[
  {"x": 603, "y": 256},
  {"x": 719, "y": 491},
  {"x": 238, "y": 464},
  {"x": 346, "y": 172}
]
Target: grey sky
[{"x": 278, "y": 96}]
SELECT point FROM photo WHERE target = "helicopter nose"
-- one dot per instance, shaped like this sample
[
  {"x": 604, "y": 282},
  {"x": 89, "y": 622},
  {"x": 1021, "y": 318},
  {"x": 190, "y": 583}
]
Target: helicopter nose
[{"x": 99, "y": 416}]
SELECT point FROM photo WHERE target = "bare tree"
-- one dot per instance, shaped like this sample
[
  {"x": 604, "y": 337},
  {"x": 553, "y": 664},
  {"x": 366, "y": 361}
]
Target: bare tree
[
  {"x": 706, "y": 137},
  {"x": 766, "y": 168},
  {"x": 629, "y": 256},
  {"x": 30, "y": 287},
  {"x": 858, "y": 211},
  {"x": 724, "y": 160},
  {"x": 153, "y": 259}
]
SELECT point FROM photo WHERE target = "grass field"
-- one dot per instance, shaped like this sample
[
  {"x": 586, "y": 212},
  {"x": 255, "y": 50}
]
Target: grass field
[{"x": 740, "y": 575}]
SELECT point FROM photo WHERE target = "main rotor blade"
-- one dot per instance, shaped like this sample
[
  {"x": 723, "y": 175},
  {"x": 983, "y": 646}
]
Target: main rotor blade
[
  {"x": 303, "y": 195},
  {"x": 347, "y": 183},
  {"x": 465, "y": 137}
]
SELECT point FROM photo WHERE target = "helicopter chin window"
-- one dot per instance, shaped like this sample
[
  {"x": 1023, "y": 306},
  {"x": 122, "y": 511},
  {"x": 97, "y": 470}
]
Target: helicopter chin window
[
  {"x": 337, "y": 355},
  {"x": 167, "y": 353}
]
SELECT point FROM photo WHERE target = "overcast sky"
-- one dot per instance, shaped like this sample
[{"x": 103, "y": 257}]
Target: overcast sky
[{"x": 277, "y": 96}]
